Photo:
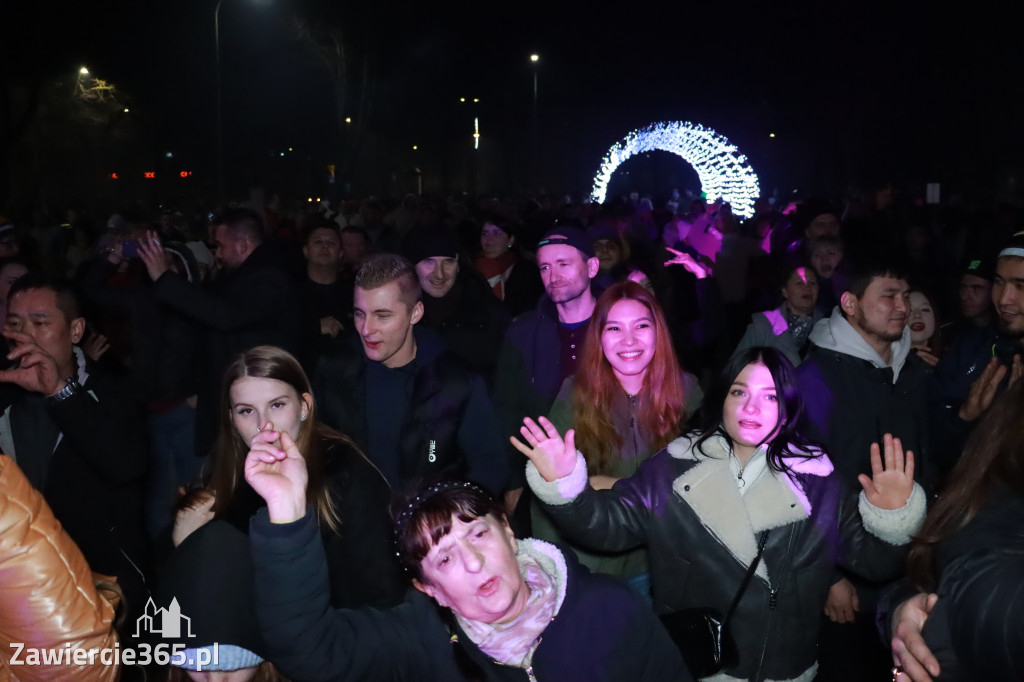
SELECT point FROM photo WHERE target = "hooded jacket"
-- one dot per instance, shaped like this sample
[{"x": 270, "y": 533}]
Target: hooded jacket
[
  {"x": 701, "y": 535},
  {"x": 771, "y": 328},
  {"x": 853, "y": 398}
]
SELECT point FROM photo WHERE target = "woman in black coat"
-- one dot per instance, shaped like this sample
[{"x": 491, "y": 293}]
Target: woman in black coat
[{"x": 265, "y": 389}]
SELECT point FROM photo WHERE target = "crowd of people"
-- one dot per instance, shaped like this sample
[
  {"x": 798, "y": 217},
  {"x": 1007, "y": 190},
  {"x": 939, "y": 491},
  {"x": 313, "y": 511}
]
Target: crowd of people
[{"x": 477, "y": 440}]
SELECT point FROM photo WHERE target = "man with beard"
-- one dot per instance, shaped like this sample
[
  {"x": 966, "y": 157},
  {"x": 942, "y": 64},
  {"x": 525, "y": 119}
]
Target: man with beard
[
  {"x": 542, "y": 346},
  {"x": 860, "y": 381}
]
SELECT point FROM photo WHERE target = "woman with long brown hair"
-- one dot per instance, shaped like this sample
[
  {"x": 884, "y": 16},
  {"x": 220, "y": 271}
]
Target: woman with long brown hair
[
  {"x": 628, "y": 399},
  {"x": 970, "y": 552},
  {"x": 265, "y": 389}
]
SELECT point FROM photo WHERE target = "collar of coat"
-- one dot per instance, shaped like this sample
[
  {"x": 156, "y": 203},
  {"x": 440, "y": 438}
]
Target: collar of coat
[{"x": 772, "y": 501}]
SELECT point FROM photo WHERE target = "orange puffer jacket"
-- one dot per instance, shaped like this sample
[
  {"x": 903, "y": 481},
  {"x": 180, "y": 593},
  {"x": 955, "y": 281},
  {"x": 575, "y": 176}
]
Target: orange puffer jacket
[{"x": 48, "y": 595}]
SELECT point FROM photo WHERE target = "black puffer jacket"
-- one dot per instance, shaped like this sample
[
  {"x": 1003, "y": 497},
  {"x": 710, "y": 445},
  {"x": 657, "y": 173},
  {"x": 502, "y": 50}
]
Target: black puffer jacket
[{"x": 701, "y": 535}]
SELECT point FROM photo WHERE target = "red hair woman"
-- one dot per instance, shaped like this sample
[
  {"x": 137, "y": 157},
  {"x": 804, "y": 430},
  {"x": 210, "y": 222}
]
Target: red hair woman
[{"x": 628, "y": 399}]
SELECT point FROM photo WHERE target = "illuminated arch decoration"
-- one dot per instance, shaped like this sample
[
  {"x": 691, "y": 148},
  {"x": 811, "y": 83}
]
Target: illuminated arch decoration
[{"x": 723, "y": 171}]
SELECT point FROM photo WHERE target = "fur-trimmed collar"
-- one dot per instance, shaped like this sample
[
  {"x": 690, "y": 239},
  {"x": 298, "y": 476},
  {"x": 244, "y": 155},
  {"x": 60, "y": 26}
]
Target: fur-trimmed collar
[
  {"x": 773, "y": 500},
  {"x": 551, "y": 561}
]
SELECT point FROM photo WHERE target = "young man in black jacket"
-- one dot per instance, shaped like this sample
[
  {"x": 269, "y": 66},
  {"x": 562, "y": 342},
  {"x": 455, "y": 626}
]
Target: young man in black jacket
[{"x": 417, "y": 411}]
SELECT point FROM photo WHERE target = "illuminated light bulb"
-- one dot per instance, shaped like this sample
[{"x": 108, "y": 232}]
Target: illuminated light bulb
[{"x": 723, "y": 171}]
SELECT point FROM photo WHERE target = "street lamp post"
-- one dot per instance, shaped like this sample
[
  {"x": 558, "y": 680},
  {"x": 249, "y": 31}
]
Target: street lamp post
[
  {"x": 220, "y": 104},
  {"x": 534, "y": 60}
]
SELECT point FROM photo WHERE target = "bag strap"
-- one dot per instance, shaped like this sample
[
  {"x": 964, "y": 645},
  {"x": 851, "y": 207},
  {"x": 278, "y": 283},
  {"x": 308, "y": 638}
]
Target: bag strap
[{"x": 746, "y": 579}]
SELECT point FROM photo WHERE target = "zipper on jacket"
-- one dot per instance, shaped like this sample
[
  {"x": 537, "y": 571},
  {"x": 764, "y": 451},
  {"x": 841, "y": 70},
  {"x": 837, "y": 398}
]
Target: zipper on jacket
[
  {"x": 773, "y": 601},
  {"x": 633, "y": 432}
]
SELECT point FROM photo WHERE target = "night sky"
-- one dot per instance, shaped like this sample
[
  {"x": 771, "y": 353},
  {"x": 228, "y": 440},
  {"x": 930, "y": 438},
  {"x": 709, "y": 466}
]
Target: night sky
[{"x": 855, "y": 93}]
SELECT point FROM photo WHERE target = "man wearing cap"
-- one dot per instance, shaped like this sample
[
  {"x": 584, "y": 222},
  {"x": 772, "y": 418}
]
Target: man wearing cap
[
  {"x": 984, "y": 360},
  {"x": 976, "y": 309},
  {"x": 457, "y": 303},
  {"x": 543, "y": 347}
]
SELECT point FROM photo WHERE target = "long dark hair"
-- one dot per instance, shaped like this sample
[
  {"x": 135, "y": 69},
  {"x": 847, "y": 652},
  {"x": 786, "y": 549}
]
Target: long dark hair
[
  {"x": 786, "y": 441},
  {"x": 993, "y": 460}
]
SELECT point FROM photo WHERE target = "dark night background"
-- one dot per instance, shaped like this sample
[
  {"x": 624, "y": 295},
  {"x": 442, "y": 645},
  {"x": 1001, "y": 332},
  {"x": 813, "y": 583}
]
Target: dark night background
[{"x": 856, "y": 95}]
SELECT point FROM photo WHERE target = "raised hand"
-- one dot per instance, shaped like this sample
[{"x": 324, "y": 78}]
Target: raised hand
[
  {"x": 687, "y": 261},
  {"x": 983, "y": 390},
  {"x": 890, "y": 485},
  {"x": 553, "y": 457},
  {"x": 152, "y": 254},
  {"x": 925, "y": 353},
  {"x": 329, "y": 326},
  {"x": 95, "y": 345},
  {"x": 277, "y": 471}
]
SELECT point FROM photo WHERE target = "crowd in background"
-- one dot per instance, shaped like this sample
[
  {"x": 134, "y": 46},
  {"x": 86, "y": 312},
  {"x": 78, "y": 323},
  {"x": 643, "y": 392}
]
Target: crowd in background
[{"x": 399, "y": 343}]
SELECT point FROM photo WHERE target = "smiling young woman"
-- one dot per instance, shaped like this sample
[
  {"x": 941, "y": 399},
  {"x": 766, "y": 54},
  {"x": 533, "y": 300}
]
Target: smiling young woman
[{"x": 628, "y": 400}]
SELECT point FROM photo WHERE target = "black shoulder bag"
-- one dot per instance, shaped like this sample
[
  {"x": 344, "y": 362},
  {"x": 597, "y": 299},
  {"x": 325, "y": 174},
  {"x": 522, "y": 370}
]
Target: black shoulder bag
[{"x": 702, "y": 634}]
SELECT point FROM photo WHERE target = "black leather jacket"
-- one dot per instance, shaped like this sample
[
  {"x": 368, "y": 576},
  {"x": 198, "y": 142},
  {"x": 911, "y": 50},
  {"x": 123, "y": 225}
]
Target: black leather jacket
[{"x": 701, "y": 536}]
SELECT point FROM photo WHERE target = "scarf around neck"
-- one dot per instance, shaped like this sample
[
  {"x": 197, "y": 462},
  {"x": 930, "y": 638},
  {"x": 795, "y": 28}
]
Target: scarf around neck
[{"x": 543, "y": 569}]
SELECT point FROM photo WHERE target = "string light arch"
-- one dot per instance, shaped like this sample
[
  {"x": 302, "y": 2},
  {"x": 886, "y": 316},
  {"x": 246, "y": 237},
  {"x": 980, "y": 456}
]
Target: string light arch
[{"x": 723, "y": 171}]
